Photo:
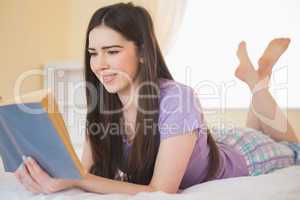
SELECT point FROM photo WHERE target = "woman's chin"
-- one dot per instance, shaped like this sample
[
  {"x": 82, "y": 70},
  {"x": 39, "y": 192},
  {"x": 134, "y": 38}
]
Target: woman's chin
[
  {"x": 111, "y": 90},
  {"x": 115, "y": 87}
]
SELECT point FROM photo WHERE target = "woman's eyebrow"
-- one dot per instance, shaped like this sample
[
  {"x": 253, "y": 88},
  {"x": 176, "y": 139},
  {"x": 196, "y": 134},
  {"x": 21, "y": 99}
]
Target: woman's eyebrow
[
  {"x": 112, "y": 46},
  {"x": 106, "y": 47}
]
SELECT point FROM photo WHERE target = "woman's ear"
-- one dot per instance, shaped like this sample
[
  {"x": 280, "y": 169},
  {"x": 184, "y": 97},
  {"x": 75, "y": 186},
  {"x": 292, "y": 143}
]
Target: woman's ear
[
  {"x": 141, "y": 60},
  {"x": 141, "y": 54}
]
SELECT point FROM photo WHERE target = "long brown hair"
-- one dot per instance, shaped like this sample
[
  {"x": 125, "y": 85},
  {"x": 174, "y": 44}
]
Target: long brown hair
[{"x": 135, "y": 24}]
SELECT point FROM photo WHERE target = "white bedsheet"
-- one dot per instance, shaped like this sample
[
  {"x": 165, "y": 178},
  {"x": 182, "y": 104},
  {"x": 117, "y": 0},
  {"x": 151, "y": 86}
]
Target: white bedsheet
[{"x": 282, "y": 184}]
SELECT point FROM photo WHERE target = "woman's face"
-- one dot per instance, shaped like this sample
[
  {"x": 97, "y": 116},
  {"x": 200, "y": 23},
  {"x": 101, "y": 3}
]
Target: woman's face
[{"x": 114, "y": 60}]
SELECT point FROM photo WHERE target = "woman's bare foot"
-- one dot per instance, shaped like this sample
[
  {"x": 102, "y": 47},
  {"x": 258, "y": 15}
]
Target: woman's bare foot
[
  {"x": 245, "y": 71},
  {"x": 270, "y": 56},
  {"x": 259, "y": 79}
]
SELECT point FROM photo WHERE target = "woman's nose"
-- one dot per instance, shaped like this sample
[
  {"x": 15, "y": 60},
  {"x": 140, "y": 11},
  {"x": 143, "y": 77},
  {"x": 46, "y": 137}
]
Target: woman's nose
[{"x": 100, "y": 64}]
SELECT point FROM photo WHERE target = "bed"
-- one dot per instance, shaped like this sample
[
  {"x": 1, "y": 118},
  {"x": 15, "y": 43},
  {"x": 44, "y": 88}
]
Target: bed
[{"x": 283, "y": 184}]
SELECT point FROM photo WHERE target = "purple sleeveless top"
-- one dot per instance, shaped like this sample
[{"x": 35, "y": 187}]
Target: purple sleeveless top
[{"x": 180, "y": 112}]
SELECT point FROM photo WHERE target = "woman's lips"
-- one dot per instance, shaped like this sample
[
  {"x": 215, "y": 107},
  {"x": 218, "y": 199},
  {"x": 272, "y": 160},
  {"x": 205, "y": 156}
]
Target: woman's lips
[{"x": 109, "y": 78}]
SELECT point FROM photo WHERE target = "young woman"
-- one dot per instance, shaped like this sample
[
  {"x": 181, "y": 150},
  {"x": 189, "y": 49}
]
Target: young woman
[{"x": 146, "y": 132}]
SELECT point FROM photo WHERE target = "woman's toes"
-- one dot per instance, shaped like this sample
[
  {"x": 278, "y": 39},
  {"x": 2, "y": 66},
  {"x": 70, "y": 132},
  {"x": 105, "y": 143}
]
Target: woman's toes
[{"x": 242, "y": 53}]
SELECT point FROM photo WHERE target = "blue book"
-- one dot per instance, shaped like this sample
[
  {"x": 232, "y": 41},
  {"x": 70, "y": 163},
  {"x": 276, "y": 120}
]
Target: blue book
[{"x": 34, "y": 127}]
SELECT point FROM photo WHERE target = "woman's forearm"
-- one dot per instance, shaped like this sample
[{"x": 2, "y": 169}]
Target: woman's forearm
[{"x": 97, "y": 184}]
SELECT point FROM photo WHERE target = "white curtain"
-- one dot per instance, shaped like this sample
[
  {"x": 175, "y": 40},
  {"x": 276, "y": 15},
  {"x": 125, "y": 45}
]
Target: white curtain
[{"x": 167, "y": 16}]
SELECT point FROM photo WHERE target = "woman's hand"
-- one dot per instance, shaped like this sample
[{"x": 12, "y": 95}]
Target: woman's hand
[{"x": 36, "y": 180}]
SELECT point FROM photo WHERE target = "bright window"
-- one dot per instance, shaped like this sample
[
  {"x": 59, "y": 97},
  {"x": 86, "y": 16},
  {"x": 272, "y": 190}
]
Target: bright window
[{"x": 203, "y": 55}]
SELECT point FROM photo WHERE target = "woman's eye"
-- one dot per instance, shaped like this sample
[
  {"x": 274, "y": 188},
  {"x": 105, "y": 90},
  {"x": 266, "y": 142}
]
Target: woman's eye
[
  {"x": 92, "y": 54},
  {"x": 113, "y": 52}
]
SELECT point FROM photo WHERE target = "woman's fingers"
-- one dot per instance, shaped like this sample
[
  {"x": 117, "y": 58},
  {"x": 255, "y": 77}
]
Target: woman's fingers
[
  {"x": 35, "y": 179},
  {"x": 27, "y": 181},
  {"x": 39, "y": 175},
  {"x": 17, "y": 172}
]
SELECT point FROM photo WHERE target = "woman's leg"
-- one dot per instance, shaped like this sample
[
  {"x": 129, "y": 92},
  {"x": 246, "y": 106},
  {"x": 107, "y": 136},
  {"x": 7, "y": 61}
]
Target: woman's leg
[
  {"x": 246, "y": 72},
  {"x": 264, "y": 113},
  {"x": 270, "y": 56}
]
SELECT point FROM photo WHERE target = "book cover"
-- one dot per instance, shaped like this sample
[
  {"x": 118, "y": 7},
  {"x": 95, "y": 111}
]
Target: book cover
[{"x": 36, "y": 128}]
